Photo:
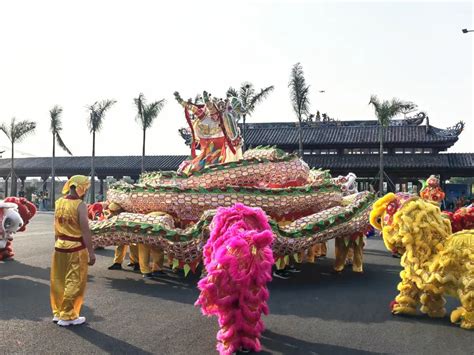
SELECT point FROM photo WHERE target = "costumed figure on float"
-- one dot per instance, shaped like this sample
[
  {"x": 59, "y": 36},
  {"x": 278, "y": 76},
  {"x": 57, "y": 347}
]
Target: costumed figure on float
[
  {"x": 238, "y": 259},
  {"x": 214, "y": 130},
  {"x": 15, "y": 213},
  {"x": 172, "y": 211},
  {"x": 436, "y": 262}
]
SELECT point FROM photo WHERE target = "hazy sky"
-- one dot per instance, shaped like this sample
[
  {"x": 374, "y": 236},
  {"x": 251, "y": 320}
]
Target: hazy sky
[{"x": 74, "y": 53}]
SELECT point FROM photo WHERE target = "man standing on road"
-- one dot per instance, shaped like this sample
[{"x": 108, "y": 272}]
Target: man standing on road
[{"x": 73, "y": 253}]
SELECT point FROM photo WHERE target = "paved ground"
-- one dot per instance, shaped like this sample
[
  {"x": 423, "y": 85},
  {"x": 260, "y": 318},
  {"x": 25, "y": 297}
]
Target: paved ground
[{"x": 314, "y": 313}]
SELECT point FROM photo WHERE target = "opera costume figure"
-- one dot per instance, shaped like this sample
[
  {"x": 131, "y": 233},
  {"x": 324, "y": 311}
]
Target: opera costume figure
[{"x": 214, "y": 131}]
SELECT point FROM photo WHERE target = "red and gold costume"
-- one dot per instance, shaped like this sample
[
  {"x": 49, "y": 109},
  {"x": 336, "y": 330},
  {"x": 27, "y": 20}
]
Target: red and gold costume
[{"x": 214, "y": 129}]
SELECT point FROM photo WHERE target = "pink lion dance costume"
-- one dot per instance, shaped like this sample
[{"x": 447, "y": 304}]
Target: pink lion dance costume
[{"x": 238, "y": 260}]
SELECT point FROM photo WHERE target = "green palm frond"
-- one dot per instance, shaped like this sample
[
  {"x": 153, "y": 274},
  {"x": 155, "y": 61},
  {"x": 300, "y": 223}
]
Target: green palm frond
[
  {"x": 248, "y": 97},
  {"x": 17, "y": 131},
  {"x": 386, "y": 110},
  {"x": 256, "y": 99},
  {"x": 246, "y": 93},
  {"x": 5, "y": 129},
  {"x": 97, "y": 113},
  {"x": 140, "y": 102},
  {"x": 150, "y": 112},
  {"x": 55, "y": 114},
  {"x": 299, "y": 91},
  {"x": 409, "y": 107},
  {"x": 61, "y": 144}
]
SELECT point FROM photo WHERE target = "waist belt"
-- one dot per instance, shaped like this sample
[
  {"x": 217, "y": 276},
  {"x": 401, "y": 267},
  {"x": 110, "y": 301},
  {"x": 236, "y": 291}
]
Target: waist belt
[{"x": 71, "y": 239}]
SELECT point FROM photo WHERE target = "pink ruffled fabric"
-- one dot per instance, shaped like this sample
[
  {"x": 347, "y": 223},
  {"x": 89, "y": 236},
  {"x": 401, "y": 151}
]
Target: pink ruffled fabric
[{"x": 238, "y": 260}]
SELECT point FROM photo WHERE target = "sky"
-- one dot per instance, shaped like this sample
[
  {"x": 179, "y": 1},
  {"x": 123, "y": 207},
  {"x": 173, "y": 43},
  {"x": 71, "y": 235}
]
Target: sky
[{"x": 75, "y": 53}]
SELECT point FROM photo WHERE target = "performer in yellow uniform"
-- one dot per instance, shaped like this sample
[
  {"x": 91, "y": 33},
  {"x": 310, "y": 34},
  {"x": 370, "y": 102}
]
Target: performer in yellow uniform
[{"x": 73, "y": 253}]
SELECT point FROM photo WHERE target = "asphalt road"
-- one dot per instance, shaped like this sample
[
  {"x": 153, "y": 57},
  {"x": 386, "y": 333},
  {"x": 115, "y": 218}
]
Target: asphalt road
[{"x": 316, "y": 312}]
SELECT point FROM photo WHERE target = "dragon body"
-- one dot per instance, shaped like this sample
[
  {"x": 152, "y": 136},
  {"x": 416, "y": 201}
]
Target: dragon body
[{"x": 173, "y": 211}]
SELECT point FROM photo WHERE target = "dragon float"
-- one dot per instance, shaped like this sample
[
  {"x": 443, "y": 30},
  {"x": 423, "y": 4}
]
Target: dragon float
[{"x": 173, "y": 211}]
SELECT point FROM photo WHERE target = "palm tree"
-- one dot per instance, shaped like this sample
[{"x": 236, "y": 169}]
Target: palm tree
[
  {"x": 249, "y": 98},
  {"x": 408, "y": 107},
  {"x": 299, "y": 93},
  {"x": 146, "y": 114},
  {"x": 385, "y": 111},
  {"x": 16, "y": 132},
  {"x": 56, "y": 128},
  {"x": 96, "y": 119}
]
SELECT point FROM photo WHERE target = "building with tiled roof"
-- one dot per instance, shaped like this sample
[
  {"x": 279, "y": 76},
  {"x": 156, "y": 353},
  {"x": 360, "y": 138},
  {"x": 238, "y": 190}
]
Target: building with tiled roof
[{"x": 413, "y": 149}]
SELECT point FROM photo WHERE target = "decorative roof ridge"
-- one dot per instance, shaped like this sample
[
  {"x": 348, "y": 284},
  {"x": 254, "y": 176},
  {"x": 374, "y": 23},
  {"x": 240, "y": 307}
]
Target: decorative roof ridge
[
  {"x": 408, "y": 121},
  {"x": 450, "y": 132}
]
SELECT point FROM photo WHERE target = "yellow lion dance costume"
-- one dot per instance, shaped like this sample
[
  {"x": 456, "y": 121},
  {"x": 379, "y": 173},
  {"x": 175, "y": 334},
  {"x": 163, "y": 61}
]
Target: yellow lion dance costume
[{"x": 435, "y": 261}]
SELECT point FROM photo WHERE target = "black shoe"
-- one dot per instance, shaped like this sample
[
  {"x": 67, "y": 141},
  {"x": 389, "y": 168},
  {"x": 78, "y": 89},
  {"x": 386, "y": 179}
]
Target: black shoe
[
  {"x": 115, "y": 266},
  {"x": 243, "y": 351},
  {"x": 136, "y": 267},
  {"x": 396, "y": 256},
  {"x": 281, "y": 274},
  {"x": 158, "y": 273},
  {"x": 148, "y": 276},
  {"x": 292, "y": 269}
]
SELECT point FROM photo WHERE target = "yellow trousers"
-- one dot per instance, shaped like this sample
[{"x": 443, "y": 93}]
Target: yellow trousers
[
  {"x": 121, "y": 250},
  {"x": 145, "y": 253},
  {"x": 341, "y": 254},
  {"x": 68, "y": 283},
  {"x": 316, "y": 251}
]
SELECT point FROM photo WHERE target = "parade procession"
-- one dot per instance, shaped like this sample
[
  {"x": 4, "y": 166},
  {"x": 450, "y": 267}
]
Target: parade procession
[{"x": 313, "y": 236}]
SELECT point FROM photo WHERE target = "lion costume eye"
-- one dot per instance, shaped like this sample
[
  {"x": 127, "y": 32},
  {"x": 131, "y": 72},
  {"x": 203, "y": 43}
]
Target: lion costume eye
[{"x": 7, "y": 223}]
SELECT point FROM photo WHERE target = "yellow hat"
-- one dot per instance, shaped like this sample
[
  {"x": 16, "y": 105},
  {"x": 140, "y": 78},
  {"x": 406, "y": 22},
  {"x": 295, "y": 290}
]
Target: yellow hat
[{"x": 80, "y": 182}]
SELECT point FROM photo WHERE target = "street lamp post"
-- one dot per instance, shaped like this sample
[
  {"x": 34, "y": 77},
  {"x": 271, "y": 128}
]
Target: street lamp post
[{"x": 465, "y": 30}]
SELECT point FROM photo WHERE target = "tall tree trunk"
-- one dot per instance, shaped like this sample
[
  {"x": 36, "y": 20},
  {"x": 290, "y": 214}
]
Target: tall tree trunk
[
  {"x": 381, "y": 132},
  {"x": 13, "y": 183},
  {"x": 300, "y": 138},
  {"x": 92, "y": 197},
  {"x": 53, "y": 175},
  {"x": 143, "y": 150},
  {"x": 244, "y": 129}
]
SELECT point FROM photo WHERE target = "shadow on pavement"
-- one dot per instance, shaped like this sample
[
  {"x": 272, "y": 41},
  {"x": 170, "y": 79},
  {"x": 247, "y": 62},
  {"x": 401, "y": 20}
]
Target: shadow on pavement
[
  {"x": 170, "y": 287},
  {"x": 16, "y": 268},
  {"x": 289, "y": 345},
  {"x": 26, "y": 299},
  {"x": 360, "y": 298},
  {"x": 105, "y": 252},
  {"x": 105, "y": 342}
]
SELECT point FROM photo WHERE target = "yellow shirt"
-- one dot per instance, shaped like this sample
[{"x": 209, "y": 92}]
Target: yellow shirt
[{"x": 66, "y": 222}]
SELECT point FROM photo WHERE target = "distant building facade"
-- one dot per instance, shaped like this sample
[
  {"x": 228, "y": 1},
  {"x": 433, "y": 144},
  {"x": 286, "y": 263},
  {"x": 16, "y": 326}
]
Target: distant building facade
[{"x": 413, "y": 149}]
